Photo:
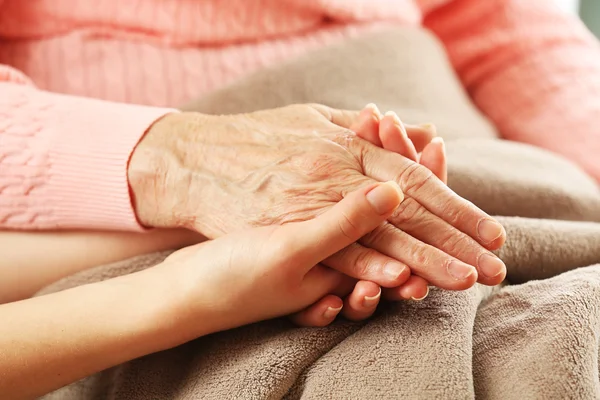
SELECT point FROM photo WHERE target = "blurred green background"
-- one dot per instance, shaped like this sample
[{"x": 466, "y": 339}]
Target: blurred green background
[{"x": 589, "y": 10}]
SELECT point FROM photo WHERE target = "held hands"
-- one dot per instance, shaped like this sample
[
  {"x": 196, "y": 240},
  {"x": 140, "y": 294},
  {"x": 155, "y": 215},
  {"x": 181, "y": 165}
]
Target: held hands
[
  {"x": 220, "y": 174},
  {"x": 419, "y": 144},
  {"x": 272, "y": 271}
]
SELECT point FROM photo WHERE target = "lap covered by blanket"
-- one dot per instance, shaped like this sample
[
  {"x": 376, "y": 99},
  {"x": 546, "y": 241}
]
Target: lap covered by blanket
[{"x": 536, "y": 338}]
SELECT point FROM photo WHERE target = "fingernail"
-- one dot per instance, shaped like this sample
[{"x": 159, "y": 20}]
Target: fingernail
[
  {"x": 491, "y": 266},
  {"x": 393, "y": 270},
  {"x": 370, "y": 112},
  {"x": 437, "y": 139},
  {"x": 385, "y": 197},
  {"x": 369, "y": 302},
  {"x": 422, "y": 298},
  {"x": 394, "y": 117},
  {"x": 489, "y": 230},
  {"x": 373, "y": 107},
  {"x": 460, "y": 271},
  {"x": 331, "y": 312},
  {"x": 398, "y": 123}
]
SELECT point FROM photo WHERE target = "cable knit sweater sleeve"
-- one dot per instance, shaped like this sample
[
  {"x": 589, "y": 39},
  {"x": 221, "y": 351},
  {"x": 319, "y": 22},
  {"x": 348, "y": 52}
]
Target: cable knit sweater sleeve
[
  {"x": 532, "y": 69},
  {"x": 63, "y": 159}
]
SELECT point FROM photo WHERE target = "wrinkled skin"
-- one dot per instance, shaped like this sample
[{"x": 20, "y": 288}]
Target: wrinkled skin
[
  {"x": 221, "y": 174},
  {"x": 271, "y": 271}
]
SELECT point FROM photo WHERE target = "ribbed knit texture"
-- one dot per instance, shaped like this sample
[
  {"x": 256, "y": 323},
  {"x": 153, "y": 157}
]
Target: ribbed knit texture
[
  {"x": 533, "y": 70},
  {"x": 63, "y": 156}
]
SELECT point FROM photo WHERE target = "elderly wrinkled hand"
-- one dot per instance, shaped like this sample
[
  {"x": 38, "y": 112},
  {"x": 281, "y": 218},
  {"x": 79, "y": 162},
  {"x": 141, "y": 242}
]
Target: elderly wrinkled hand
[{"x": 220, "y": 174}]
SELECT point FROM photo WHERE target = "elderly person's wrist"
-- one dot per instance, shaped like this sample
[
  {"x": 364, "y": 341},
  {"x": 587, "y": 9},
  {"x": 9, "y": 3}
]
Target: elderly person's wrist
[
  {"x": 154, "y": 166},
  {"x": 67, "y": 159}
]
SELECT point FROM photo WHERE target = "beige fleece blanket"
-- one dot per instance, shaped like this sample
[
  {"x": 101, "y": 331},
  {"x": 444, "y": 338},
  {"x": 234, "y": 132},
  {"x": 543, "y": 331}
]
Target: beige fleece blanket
[{"x": 536, "y": 338}]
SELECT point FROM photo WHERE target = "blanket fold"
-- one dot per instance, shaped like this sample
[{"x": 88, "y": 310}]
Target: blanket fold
[{"x": 535, "y": 338}]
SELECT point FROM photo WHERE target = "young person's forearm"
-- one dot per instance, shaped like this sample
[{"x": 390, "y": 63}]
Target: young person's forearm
[
  {"x": 32, "y": 260},
  {"x": 53, "y": 340}
]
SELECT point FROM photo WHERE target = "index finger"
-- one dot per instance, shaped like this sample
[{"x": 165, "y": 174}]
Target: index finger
[{"x": 421, "y": 184}]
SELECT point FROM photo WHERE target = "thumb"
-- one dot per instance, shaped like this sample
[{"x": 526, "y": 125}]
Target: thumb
[{"x": 353, "y": 217}]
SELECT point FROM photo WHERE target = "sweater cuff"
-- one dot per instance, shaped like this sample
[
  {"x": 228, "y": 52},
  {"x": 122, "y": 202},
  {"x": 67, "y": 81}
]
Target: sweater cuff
[{"x": 93, "y": 142}]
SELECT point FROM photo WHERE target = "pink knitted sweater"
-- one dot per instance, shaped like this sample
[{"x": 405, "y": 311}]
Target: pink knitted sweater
[{"x": 532, "y": 70}]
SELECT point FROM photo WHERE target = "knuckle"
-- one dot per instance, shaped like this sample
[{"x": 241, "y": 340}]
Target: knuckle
[
  {"x": 304, "y": 112},
  {"x": 325, "y": 162},
  {"x": 315, "y": 110},
  {"x": 454, "y": 243},
  {"x": 344, "y": 136},
  {"x": 301, "y": 107},
  {"x": 316, "y": 106},
  {"x": 413, "y": 178},
  {"x": 419, "y": 254},
  {"x": 454, "y": 213},
  {"x": 378, "y": 235},
  {"x": 362, "y": 262},
  {"x": 317, "y": 167},
  {"x": 409, "y": 211},
  {"x": 352, "y": 145},
  {"x": 348, "y": 228}
]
